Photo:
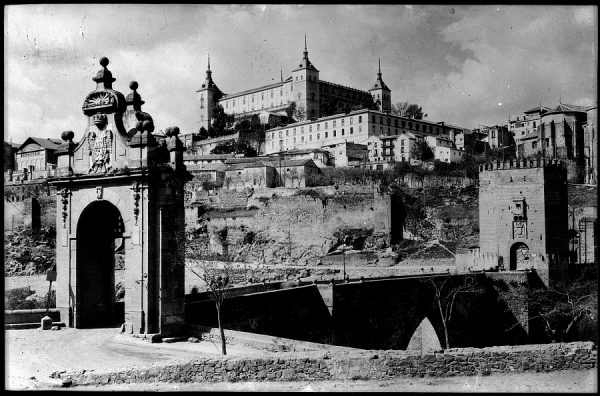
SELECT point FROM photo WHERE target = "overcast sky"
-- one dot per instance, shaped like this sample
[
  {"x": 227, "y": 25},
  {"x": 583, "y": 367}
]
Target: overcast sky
[{"x": 465, "y": 65}]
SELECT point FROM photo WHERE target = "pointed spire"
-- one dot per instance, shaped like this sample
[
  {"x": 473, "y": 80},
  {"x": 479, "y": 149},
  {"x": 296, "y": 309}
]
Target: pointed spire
[
  {"x": 282, "y": 75},
  {"x": 209, "y": 62},
  {"x": 305, "y": 64},
  {"x": 379, "y": 67}
]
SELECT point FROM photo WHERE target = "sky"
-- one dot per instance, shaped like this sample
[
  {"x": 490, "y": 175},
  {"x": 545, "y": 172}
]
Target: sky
[{"x": 465, "y": 65}]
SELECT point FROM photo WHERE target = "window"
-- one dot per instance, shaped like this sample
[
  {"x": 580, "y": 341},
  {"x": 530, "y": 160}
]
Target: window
[
  {"x": 301, "y": 129},
  {"x": 402, "y": 142},
  {"x": 294, "y": 140},
  {"x": 359, "y": 119},
  {"x": 279, "y": 133},
  {"x": 417, "y": 127},
  {"x": 286, "y": 133},
  {"x": 252, "y": 98},
  {"x": 389, "y": 121},
  {"x": 410, "y": 125},
  {"x": 351, "y": 118},
  {"x": 351, "y": 130},
  {"x": 262, "y": 96},
  {"x": 244, "y": 101},
  {"x": 334, "y": 123},
  {"x": 318, "y": 127},
  {"x": 396, "y": 123},
  {"x": 326, "y": 126},
  {"x": 326, "y": 135},
  {"x": 294, "y": 131},
  {"x": 380, "y": 119},
  {"x": 403, "y": 124},
  {"x": 310, "y": 138},
  {"x": 318, "y": 136},
  {"x": 271, "y": 93},
  {"x": 342, "y": 131},
  {"x": 342, "y": 122},
  {"x": 310, "y": 128},
  {"x": 334, "y": 133},
  {"x": 302, "y": 139},
  {"x": 374, "y": 119}
]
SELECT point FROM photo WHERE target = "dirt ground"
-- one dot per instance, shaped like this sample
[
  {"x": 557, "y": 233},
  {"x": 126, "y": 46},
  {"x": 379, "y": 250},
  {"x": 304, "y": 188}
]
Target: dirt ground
[
  {"x": 37, "y": 353},
  {"x": 32, "y": 355}
]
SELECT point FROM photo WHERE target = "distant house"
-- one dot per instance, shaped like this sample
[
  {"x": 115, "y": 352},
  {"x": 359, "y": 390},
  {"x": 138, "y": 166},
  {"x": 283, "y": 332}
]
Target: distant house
[
  {"x": 37, "y": 154},
  {"x": 296, "y": 173},
  {"x": 444, "y": 149},
  {"x": 347, "y": 154},
  {"x": 213, "y": 173},
  {"x": 255, "y": 174},
  {"x": 319, "y": 156}
]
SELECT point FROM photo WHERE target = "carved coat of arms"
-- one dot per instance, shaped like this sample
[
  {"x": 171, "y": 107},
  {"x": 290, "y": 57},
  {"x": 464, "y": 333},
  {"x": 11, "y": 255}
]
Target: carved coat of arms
[{"x": 99, "y": 144}]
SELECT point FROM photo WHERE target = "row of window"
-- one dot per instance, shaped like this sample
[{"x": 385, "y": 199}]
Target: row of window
[
  {"x": 318, "y": 135},
  {"x": 30, "y": 153}
]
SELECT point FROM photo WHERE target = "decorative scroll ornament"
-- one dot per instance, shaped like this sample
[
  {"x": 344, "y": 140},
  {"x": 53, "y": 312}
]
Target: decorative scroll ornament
[
  {"x": 99, "y": 144},
  {"x": 101, "y": 99},
  {"x": 99, "y": 192},
  {"x": 64, "y": 193},
  {"x": 136, "y": 201}
]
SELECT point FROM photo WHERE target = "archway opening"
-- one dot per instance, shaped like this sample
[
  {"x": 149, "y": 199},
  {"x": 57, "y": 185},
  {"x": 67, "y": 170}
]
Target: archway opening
[
  {"x": 519, "y": 256},
  {"x": 424, "y": 339},
  {"x": 97, "y": 305}
]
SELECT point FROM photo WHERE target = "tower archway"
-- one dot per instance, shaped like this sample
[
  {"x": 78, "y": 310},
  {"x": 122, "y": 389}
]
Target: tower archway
[
  {"x": 99, "y": 225},
  {"x": 519, "y": 256}
]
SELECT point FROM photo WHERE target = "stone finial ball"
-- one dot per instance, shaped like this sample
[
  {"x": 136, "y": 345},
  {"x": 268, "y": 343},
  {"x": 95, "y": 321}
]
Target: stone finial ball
[
  {"x": 133, "y": 85},
  {"x": 67, "y": 136},
  {"x": 148, "y": 125},
  {"x": 175, "y": 130},
  {"x": 104, "y": 61},
  {"x": 169, "y": 131}
]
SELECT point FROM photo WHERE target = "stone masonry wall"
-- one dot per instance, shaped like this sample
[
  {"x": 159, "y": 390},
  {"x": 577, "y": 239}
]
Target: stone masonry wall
[{"x": 367, "y": 365}]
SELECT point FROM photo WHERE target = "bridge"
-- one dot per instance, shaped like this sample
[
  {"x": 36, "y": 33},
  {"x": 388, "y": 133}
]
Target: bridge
[{"x": 376, "y": 313}]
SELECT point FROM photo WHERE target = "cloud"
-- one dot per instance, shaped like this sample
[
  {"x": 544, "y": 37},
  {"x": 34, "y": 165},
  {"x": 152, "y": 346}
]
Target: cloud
[
  {"x": 457, "y": 62},
  {"x": 522, "y": 56}
]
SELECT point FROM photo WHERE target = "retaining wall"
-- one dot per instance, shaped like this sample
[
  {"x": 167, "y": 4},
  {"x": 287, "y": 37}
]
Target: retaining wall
[{"x": 368, "y": 365}]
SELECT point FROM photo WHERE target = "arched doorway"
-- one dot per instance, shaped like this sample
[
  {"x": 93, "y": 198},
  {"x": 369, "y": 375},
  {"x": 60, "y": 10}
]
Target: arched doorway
[
  {"x": 99, "y": 225},
  {"x": 519, "y": 256}
]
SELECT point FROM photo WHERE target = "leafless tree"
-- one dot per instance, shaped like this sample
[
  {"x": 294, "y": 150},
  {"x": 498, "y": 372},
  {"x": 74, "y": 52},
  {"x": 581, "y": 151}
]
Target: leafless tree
[
  {"x": 562, "y": 306},
  {"x": 218, "y": 281},
  {"x": 446, "y": 289}
]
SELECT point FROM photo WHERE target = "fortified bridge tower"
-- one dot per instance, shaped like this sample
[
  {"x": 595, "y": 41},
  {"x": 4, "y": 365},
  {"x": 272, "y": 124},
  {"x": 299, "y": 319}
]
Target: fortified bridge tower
[{"x": 120, "y": 204}]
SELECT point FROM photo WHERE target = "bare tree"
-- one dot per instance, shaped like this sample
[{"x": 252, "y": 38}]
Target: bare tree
[
  {"x": 562, "y": 306},
  {"x": 446, "y": 290},
  {"x": 217, "y": 280}
]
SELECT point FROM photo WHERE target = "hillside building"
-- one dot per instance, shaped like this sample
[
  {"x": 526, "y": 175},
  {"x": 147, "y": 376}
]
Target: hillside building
[
  {"x": 359, "y": 127},
  {"x": 312, "y": 97}
]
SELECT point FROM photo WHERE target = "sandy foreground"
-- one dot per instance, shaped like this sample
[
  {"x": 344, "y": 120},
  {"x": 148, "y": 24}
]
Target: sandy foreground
[{"x": 32, "y": 355}]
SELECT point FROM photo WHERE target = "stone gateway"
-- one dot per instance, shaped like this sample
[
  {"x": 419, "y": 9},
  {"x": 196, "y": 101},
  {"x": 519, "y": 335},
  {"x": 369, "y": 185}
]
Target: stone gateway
[{"x": 120, "y": 193}]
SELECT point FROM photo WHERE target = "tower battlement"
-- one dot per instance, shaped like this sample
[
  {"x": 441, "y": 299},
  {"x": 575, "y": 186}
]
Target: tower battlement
[{"x": 520, "y": 164}]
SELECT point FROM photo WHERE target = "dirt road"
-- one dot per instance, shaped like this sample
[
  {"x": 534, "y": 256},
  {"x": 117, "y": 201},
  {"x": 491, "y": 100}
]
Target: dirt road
[{"x": 32, "y": 355}]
